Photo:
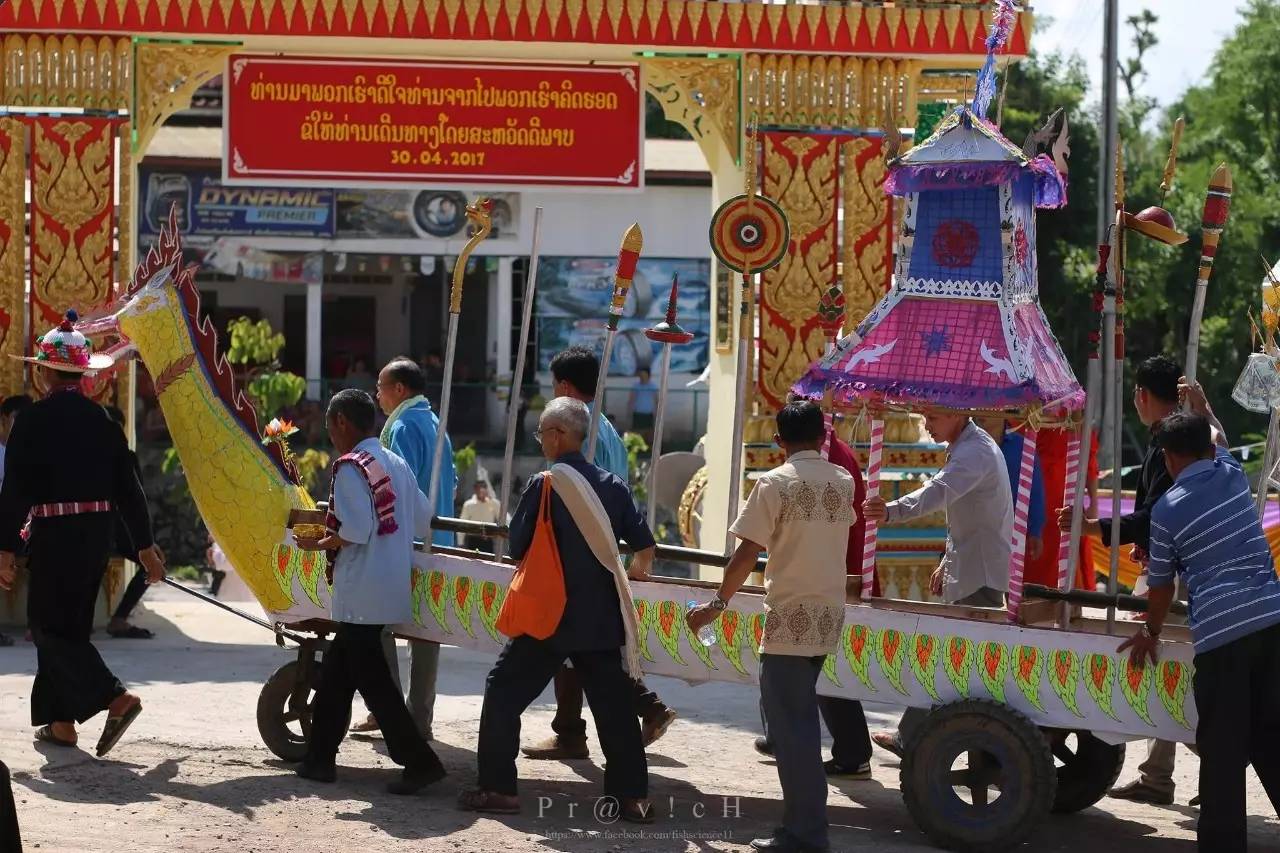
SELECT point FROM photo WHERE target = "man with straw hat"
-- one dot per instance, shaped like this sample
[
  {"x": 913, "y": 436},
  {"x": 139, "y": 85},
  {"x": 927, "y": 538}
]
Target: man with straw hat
[{"x": 68, "y": 471}]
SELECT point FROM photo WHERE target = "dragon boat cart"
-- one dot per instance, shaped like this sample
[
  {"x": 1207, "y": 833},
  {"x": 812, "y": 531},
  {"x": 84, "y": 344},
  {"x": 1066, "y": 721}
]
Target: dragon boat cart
[{"x": 1031, "y": 705}]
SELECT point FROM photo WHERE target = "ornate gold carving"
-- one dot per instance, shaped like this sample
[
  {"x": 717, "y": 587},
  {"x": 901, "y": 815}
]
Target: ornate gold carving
[
  {"x": 892, "y": 21},
  {"x": 70, "y": 188},
  {"x": 951, "y": 18},
  {"x": 873, "y": 14},
  {"x": 595, "y": 9},
  {"x": 13, "y": 176},
  {"x": 800, "y": 91},
  {"x": 125, "y": 223},
  {"x": 801, "y": 173},
  {"x": 702, "y": 96},
  {"x": 689, "y": 513},
  {"x": 715, "y": 11},
  {"x": 168, "y": 75},
  {"x": 808, "y": 195},
  {"x": 867, "y": 227},
  {"x": 63, "y": 71}
]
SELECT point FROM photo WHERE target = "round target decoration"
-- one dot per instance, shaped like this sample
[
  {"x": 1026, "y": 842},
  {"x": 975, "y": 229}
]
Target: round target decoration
[{"x": 749, "y": 236}]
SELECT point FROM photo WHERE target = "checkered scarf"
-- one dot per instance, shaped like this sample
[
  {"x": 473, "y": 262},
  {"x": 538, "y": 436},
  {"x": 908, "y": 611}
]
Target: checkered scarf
[{"x": 384, "y": 498}]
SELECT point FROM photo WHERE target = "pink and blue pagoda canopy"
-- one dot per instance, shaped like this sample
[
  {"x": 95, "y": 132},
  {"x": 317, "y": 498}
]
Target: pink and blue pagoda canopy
[{"x": 962, "y": 327}]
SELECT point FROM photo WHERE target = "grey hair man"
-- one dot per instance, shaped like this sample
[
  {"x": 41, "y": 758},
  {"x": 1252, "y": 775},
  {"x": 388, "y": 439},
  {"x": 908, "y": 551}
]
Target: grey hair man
[{"x": 596, "y": 631}]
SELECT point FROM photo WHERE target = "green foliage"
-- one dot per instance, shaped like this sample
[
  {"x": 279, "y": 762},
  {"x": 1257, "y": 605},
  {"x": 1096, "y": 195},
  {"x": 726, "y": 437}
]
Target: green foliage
[
  {"x": 186, "y": 573},
  {"x": 464, "y": 458},
  {"x": 311, "y": 464},
  {"x": 635, "y": 446},
  {"x": 255, "y": 347},
  {"x": 274, "y": 390},
  {"x": 253, "y": 343}
]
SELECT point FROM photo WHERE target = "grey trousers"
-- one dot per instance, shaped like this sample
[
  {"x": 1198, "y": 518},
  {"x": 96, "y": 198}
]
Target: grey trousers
[
  {"x": 424, "y": 665},
  {"x": 913, "y": 717},
  {"x": 789, "y": 695}
]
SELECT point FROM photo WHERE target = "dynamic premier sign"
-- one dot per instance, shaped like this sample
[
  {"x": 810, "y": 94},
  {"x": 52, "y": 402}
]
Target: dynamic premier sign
[{"x": 363, "y": 122}]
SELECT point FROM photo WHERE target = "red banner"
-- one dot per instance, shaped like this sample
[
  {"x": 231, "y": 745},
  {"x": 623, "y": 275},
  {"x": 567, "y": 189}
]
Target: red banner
[{"x": 355, "y": 122}]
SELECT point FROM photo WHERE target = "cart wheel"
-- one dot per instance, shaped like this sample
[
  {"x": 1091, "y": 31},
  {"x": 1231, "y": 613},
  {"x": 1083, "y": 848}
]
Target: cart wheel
[
  {"x": 284, "y": 714},
  {"x": 1087, "y": 768},
  {"x": 977, "y": 776}
]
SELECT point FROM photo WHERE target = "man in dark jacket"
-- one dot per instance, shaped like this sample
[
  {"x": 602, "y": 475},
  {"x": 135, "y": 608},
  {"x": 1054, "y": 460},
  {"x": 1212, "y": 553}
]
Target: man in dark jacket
[
  {"x": 68, "y": 469},
  {"x": 592, "y": 631}
]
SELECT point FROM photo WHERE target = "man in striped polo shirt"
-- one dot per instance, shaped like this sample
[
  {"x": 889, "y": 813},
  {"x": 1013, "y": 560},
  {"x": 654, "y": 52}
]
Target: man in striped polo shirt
[{"x": 1205, "y": 527}]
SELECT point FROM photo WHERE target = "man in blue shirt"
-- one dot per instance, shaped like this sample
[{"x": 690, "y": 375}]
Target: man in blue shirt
[
  {"x": 410, "y": 432},
  {"x": 644, "y": 404},
  {"x": 1205, "y": 528},
  {"x": 592, "y": 632},
  {"x": 573, "y": 374},
  {"x": 376, "y": 509}
]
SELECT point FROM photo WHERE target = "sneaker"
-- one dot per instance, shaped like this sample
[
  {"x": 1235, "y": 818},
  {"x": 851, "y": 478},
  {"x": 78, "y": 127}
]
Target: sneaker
[
  {"x": 889, "y": 742},
  {"x": 839, "y": 771},
  {"x": 656, "y": 726},
  {"x": 764, "y": 747},
  {"x": 556, "y": 748},
  {"x": 1139, "y": 791}
]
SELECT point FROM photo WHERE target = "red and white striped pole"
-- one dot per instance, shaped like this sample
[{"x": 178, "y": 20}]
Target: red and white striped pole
[
  {"x": 1065, "y": 543},
  {"x": 1018, "y": 565},
  {"x": 873, "y": 488}
]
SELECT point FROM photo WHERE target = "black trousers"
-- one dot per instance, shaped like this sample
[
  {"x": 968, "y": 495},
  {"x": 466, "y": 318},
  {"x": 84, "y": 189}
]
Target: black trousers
[
  {"x": 1237, "y": 689},
  {"x": 10, "y": 839},
  {"x": 355, "y": 663},
  {"x": 522, "y": 672},
  {"x": 68, "y": 557},
  {"x": 132, "y": 594},
  {"x": 568, "y": 722},
  {"x": 850, "y": 740}
]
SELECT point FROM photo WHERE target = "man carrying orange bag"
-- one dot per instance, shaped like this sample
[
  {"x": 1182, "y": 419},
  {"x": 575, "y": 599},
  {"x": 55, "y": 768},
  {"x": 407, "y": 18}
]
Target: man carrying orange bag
[{"x": 590, "y": 510}]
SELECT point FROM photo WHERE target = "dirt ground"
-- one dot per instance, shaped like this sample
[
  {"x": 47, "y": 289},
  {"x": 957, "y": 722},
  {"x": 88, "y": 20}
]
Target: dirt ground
[{"x": 193, "y": 775}]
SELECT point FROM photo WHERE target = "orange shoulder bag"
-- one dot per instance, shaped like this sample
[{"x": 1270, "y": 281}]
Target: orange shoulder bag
[{"x": 535, "y": 602}]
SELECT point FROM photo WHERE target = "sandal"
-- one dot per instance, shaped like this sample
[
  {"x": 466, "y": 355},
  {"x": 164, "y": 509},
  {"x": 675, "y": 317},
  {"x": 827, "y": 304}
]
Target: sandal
[
  {"x": 45, "y": 734},
  {"x": 488, "y": 802},
  {"x": 133, "y": 632},
  {"x": 367, "y": 726},
  {"x": 116, "y": 727}
]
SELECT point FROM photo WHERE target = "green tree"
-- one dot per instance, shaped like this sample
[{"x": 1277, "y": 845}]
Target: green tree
[{"x": 255, "y": 347}]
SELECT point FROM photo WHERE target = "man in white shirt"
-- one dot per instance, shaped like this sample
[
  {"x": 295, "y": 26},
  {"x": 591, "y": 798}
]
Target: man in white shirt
[
  {"x": 801, "y": 513},
  {"x": 375, "y": 511},
  {"x": 973, "y": 489},
  {"x": 482, "y": 507}
]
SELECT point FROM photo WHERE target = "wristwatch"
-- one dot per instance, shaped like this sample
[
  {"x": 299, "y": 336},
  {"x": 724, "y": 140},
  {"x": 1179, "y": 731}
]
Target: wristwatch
[
  {"x": 717, "y": 603},
  {"x": 1146, "y": 629}
]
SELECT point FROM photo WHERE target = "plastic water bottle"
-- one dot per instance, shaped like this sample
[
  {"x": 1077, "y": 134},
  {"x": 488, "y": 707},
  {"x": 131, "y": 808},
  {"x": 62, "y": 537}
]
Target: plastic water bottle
[{"x": 706, "y": 636}]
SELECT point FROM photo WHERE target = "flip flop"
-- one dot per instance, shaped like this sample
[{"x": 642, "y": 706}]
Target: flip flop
[
  {"x": 367, "y": 726},
  {"x": 45, "y": 734},
  {"x": 116, "y": 727},
  {"x": 133, "y": 632}
]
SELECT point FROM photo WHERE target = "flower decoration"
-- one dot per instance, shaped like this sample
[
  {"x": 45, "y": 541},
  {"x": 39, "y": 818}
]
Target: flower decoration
[{"x": 278, "y": 431}]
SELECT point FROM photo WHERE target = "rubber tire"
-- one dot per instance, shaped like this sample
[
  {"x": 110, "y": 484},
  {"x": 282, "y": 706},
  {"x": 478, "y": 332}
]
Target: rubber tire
[
  {"x": 1093, "y": 770},
  {"x": 1024, "y": 798},
  {"x": 274, "y": 703}
]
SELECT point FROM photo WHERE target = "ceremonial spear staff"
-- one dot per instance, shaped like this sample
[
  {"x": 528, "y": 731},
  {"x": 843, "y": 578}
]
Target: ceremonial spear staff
[
  {"x": 628, "y": 257},
  {"x": 517, "y": 380},
  {"x": 668, "y": 333},
  {"x": 1217, "y": 204},
  {"x": 478, "y": 215}
]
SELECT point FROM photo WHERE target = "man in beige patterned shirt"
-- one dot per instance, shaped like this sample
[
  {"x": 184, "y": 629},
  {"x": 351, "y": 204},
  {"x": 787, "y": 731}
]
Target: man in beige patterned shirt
[{"x": 800, "y": 512}]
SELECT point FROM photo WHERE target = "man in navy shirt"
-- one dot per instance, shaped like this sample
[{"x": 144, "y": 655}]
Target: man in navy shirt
[
  {"x": 591, "y": 632},
  {"x": 1205, "y": 528}
]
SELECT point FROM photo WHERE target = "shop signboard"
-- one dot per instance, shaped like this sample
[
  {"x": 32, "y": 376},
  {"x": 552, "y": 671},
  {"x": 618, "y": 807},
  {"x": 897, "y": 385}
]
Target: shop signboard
[
  {"x": 207, "y": 208},
  {"x": 326, "y": 121},
  {"x": 573, "y": 305}
]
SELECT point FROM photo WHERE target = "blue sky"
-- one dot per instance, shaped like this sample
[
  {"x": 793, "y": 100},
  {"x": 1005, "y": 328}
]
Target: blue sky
[{"x": 1188, "y": 37}]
